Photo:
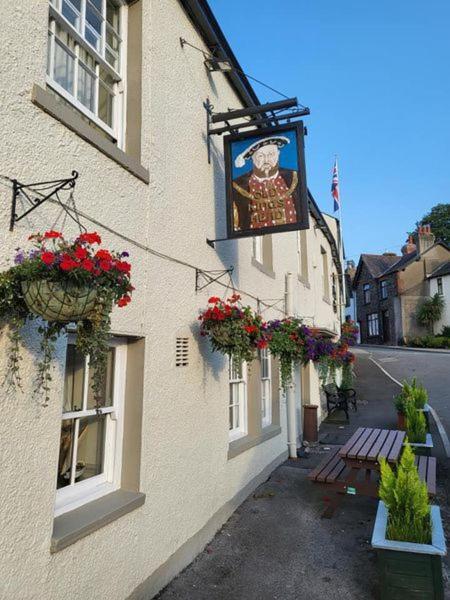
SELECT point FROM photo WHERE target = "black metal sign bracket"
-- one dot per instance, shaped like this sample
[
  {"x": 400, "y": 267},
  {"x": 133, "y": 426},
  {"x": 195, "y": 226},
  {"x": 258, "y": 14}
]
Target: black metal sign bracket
[
  {"x": 26, "y": 191},
  {"x": 205, "y": 278}
]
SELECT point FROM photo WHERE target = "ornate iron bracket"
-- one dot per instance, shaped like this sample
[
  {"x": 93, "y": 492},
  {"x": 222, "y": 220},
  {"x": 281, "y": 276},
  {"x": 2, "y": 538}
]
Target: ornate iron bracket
[
  {"x": 34, "y": 200},
  {"x": 204, "y": 278}
]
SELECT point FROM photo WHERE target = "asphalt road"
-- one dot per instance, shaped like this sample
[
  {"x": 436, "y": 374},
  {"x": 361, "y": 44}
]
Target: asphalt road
[{"x": 432, "y": 369}]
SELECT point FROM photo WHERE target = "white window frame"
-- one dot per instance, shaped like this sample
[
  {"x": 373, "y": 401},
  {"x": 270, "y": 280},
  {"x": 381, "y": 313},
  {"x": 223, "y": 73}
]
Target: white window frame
[
  {"x": 373, "y": 325},
  {"x": 258, "y": 248},
  {"x": 79, "y": 493},
  {"x": 440, "y": 286},
  {"x": 266, "y": 388},
  {"x": 384, "y": 289},
  {"x": 117, "y": 131},
  {"x": 239, "y": 386},
  {"x": 367, "y": 293}
]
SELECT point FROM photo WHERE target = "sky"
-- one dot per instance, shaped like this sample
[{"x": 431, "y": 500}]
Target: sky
[{"x": 376, "y": 76}]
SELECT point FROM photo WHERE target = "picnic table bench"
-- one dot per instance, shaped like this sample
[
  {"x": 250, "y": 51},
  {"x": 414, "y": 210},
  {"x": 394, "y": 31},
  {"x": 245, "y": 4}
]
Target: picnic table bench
[{"x": 354, "y": 468}]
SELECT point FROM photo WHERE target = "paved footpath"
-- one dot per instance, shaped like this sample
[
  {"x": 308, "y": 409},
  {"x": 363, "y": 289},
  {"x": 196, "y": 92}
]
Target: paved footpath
[{"x": 276, "y": 546}]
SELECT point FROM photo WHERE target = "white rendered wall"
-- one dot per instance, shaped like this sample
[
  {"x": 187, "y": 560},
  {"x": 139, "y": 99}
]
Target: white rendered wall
[
  {"x": 446, "y": 293},
  {"x": 185, "y": 473}
]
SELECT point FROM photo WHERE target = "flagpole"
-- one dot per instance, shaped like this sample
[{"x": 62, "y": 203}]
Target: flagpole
[{"x": 341, "y": 250}]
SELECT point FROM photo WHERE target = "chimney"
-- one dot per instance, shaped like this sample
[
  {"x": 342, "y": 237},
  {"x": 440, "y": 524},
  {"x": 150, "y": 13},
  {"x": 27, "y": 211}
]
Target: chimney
[
  {"x": 423, "y": 238},
  {"x": 409, "y": 247}
]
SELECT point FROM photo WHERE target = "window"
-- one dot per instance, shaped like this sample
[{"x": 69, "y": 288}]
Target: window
[
  {"x": 90, "y": 445},
  {"x": 266, "y": 387},
  {"x": 258, "y": 248},
  {"x": 84, "y": 59},
  {"x": 302, "y": 255},
  {"x": 366, "y": 293},
  {"x": 372, "y": 324},
  {"x": 334, "y": 293},
  {"x": 384, "y": 289},
  {"x": 325, "y": 275},
  {"x": 238, "y": 399},
  {"x": 439, "y": 286}
]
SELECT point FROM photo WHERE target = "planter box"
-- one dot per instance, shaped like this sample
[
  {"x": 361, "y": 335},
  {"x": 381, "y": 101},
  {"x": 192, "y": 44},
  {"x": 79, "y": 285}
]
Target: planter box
[
  {"x": 423, "y": 449},
  {"x": 409, "y": 570},
  {"x": 401, "y": 421},
  {"x": 426, "y": 413}
]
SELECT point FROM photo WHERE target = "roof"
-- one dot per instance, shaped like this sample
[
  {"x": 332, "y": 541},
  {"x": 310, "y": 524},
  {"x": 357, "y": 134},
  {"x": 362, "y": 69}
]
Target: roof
[
  {"x": 377, "y": 264},
  {"x": 402, "y": 263},
  {"x": 441, "y": 271}
]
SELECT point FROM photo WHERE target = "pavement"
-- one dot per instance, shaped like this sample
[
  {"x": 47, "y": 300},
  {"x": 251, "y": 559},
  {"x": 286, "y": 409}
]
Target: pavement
[{"x": 276, "y": 546}]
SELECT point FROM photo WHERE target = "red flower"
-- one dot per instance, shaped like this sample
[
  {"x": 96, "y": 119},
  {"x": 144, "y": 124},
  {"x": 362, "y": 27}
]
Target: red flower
[
  {"x": 124, "y": 300},
  {"x": 90, "y": 238},
  {"x": 251, "y": 328},
  {"x": 103, "y": 255},
  {"x": 123, "y": 266},
  {"x": 48, "y": 258},
  {"x": 105, "y": 265},
  {"x": 52, "y": 234},
  {"x": 234, "y": 298},
  {"x": 68, "y": 264},
  {"x": 81, "y": 253},
  {"x": 214, "y": 300},
  {"x": 261, "y": 344},
  {"x": 88, "y": 265}
]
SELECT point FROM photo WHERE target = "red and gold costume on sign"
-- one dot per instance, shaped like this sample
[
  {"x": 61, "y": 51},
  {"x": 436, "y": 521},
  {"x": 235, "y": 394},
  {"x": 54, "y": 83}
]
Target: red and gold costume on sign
[{"x": 264, "y": 201}]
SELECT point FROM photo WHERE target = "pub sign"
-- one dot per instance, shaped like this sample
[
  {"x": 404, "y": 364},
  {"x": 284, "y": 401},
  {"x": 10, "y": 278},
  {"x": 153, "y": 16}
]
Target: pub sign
[{"x": 265, "y": 181}]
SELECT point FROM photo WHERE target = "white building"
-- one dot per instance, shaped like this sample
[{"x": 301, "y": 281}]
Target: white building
[
  {"x": 105, "y": 88},
  {"x": 440, "y": 284}
]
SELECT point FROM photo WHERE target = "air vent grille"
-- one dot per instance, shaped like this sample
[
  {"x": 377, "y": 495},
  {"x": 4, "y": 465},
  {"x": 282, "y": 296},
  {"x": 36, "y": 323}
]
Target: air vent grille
[{"x": 182, "y": 352}]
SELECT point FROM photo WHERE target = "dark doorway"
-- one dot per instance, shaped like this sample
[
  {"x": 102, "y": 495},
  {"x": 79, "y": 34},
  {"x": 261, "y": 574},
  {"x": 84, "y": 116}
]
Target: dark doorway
[{"x": 385, "y": 326}]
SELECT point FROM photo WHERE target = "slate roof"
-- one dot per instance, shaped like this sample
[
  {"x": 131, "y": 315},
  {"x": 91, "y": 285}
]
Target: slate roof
[
  {"x": 442, "y": 270},
  {"x": 401, "y": 263},
  {"x": 377, "y": 264}
]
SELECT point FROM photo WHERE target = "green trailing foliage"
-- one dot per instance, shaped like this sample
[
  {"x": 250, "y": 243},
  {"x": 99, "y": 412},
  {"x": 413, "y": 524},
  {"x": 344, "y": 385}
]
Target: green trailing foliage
[
  {"x": 416, "y": 425},
  {"x": 348, "y": 377},
  {"x": 406, "y": 499}
]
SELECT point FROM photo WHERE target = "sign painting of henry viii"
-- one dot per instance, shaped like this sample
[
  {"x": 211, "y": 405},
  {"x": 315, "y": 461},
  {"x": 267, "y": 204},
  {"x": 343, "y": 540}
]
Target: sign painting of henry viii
[{"x": 265, "y": 196}]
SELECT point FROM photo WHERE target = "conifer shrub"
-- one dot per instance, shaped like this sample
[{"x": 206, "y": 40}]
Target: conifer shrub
[
  {"x": 416, "y": 425},
  {"x": 406, "y": 499}
]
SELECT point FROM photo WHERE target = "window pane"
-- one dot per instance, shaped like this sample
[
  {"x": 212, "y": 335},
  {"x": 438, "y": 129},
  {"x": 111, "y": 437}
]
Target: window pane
[
  {"x": 91, "y": 447},
  {"x": 112, "y": 58},
  {"x": 92, "y": 37},
  {"x": 97, "y": 4},
  {"x": 64, "y": 67},
  {"x": 108, "y": 385},
  {"x": 74, "y": 380},
  {"x": 65, "y": 452},
  {"x": 71, "y": 15},
  {"x": 113, "y": 15},
  {"x": 105, "y": 105},
  {"x": 93, "y": 17},
  {"x": 86, "y": 88}
]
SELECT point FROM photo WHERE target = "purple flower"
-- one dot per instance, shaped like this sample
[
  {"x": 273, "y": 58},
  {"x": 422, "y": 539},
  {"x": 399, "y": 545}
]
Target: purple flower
[
  {"x": 20, "y": 257},
  {"x": 124, "y": 254},
  {"x": 33, "y": 253}
]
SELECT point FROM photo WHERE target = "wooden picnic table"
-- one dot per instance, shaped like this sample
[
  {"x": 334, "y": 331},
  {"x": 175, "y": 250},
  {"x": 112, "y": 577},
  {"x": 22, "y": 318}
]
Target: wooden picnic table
[{"x": 354, "y": 468}]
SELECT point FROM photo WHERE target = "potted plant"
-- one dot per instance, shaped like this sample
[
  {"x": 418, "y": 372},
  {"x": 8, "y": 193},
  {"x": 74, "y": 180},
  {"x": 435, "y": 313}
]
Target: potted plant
[
  {"x": 291, "y": 342},
  {"x": 408, "y": 535},
  {"x": 62, "y": 282},
  {"x": 416, "y": 429},
  {"x": 232, "y": 329}
]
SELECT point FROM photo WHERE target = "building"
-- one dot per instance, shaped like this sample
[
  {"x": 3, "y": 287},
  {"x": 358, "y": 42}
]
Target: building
[
  {"x": 389, "y": 288},
  {"x": 440, "y": 284},
  {"x": 111, "y": 93}
]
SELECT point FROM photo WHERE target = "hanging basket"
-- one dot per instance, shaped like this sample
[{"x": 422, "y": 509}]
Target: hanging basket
[{"x": 62, "y": 302}]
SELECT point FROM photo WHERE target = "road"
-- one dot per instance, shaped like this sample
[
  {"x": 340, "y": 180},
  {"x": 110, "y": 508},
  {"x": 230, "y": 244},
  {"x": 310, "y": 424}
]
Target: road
[{"x": 431, "y": 369}]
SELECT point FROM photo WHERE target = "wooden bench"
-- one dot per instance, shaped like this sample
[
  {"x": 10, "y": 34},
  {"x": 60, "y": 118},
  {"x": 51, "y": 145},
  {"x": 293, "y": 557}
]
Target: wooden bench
[{"x": 334, "y": 472}]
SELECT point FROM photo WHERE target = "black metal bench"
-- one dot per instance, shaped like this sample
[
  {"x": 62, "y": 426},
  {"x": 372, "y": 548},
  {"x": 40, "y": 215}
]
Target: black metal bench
[{"x": 339, "y": 398}]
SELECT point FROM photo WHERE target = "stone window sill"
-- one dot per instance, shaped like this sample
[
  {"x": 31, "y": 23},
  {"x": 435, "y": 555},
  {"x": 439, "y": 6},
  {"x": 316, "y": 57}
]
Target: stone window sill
[
  {"x": 245, "y": 443},
  {"x": 261, "y": 267},
  {"x": 304, "y": 280},
  {"x": 76, "y": 524},
  {"x": 50, "y": 104}
]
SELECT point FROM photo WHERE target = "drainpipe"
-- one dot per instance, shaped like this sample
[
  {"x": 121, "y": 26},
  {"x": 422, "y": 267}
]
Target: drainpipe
[{"x": 290, "y": 393}]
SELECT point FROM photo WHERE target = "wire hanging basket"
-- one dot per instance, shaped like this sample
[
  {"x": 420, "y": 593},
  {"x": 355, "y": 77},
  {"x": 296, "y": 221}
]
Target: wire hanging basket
[{"x": 55, "y": 301}]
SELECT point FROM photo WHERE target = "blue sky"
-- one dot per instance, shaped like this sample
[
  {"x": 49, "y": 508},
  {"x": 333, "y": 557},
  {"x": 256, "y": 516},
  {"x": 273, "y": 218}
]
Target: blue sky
[{"x": 376, "y": 76}]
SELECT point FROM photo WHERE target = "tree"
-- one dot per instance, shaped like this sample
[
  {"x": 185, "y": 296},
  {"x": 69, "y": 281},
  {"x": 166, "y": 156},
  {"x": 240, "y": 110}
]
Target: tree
[
  {"x": 439, "y": 219},
  {"x": 431, "y": 311}
]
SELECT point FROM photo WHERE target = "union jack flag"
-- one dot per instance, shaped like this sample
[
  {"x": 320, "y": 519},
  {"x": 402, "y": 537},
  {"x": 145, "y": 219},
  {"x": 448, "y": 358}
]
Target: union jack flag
[{"x": 335, "y": 187}]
